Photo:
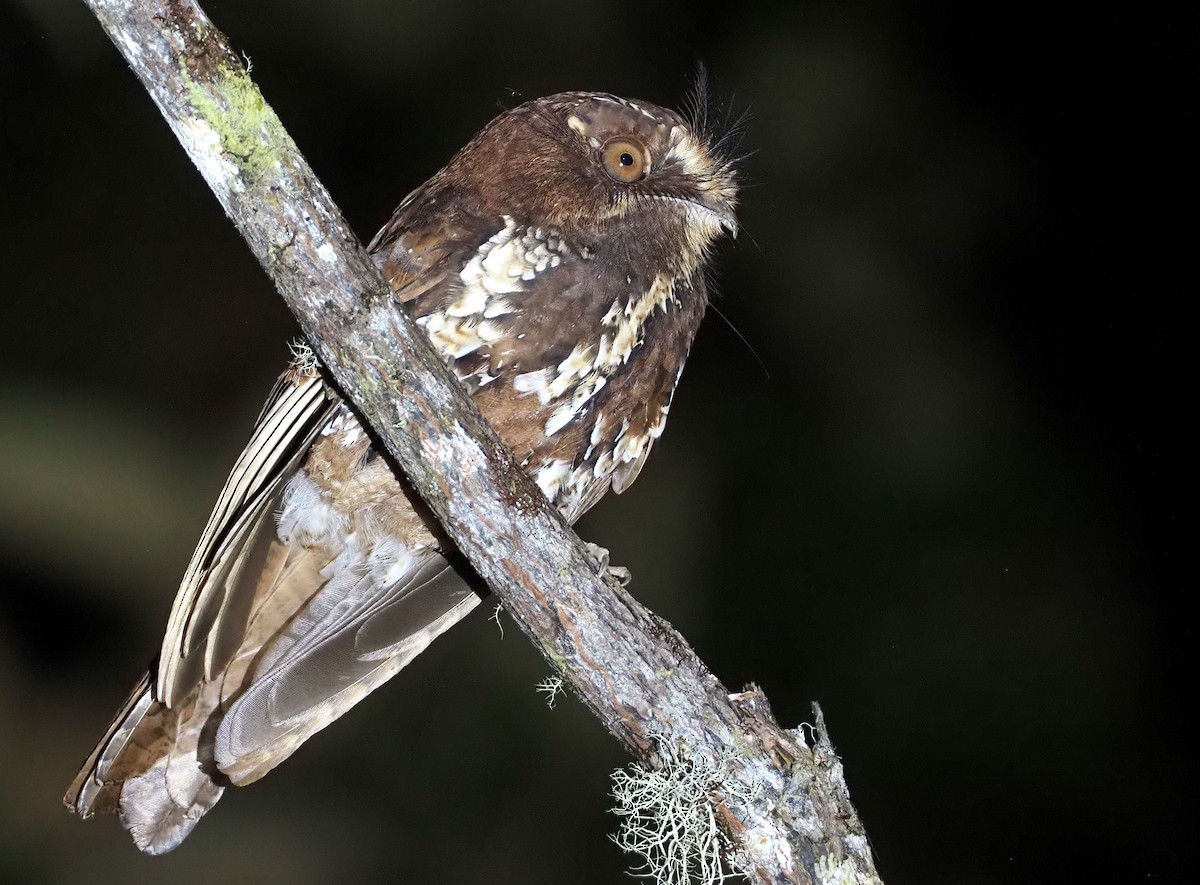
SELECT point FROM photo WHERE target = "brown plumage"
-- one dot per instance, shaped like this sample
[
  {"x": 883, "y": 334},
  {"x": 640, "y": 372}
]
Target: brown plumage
[{"x": 558, "y": 262}]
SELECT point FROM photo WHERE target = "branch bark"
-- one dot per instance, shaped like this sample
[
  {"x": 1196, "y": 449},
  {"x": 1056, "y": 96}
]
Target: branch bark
[{"x": 794, "y": 822}]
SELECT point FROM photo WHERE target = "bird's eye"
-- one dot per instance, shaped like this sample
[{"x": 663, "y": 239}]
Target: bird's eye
[{"x": 626, "y": 160}]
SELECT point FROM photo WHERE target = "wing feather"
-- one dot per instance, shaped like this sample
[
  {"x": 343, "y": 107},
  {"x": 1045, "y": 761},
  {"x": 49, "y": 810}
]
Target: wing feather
[
  {"x": 212, "y": 597},
  {"x": 353, "y": 636},
  {"x": 91, "y": 790}
]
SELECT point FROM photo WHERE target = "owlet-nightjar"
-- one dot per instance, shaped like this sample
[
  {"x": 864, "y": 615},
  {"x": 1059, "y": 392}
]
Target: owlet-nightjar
[{"x": 558, "y": 263}]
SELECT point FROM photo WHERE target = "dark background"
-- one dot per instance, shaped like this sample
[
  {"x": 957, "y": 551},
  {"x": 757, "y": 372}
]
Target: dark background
[{"x": 949, "y": 504}]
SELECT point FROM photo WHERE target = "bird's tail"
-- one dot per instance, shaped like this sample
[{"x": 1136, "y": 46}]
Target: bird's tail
[{"x": 146, "y": 768}]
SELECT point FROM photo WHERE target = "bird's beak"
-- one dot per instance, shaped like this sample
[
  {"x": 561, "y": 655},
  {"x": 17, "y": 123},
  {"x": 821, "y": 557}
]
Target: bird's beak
[
  {"x": 716, "y": 212},
  {"x": 728, "y": 221}
]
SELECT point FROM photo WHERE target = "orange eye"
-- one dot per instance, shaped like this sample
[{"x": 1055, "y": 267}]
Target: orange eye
[{"x": 625, "y": 160}]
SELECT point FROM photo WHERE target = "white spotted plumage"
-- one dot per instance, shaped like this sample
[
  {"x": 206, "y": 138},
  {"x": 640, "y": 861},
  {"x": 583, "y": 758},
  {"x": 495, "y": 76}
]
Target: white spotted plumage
[{"x": 490, "y": 285}]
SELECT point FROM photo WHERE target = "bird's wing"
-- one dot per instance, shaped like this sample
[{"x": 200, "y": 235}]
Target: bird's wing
[
  {"x": 356, "y": 633},
  {"x": 269, "y": 640},
  {"x": 148, "y": 764},
  {"x": 209, "y": 615}
]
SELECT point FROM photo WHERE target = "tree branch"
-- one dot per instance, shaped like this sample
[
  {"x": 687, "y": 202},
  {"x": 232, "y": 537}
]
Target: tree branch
[{"x": 782, "y": 801}]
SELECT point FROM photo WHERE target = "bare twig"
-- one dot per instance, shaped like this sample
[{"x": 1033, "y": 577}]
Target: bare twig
[{"x": 634, "y": 671}]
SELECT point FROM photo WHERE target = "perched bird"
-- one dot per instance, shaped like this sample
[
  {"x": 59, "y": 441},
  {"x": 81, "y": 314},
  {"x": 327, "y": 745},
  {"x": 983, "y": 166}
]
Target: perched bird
[{"x": 558, "y": 263}]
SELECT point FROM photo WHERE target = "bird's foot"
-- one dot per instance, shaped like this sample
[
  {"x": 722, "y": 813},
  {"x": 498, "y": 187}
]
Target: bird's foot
[{"x": 619, "y": 572}]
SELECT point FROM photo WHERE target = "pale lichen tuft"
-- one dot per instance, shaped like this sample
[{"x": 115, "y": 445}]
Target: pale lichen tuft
[
  {"x": 304, "y": 358},
  {"x": 551, "y": 687},
  {"x": 670, "y": 815}
]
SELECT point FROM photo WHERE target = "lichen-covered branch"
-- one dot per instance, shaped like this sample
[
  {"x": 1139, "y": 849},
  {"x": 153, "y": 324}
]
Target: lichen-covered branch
[{"x": 792, "y": 820}]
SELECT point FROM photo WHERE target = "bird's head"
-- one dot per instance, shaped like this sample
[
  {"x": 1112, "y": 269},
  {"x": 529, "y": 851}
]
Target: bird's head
[{"x": 594, "y": 162}]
